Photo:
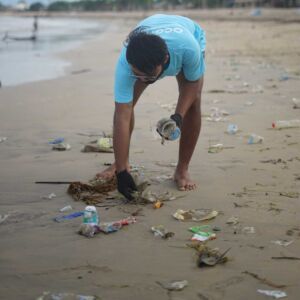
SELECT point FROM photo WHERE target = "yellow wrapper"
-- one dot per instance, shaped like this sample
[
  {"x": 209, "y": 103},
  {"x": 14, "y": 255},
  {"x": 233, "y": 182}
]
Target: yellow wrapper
[{"x": 105, "y": 142}]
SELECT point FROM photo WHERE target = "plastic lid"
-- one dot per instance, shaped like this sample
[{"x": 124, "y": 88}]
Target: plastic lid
[{"x": 90, "y": 208}]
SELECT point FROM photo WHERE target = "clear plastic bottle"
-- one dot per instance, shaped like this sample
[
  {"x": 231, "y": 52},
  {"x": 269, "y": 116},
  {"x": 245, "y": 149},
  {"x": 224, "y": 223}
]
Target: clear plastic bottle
[
  {"x": 286, "y": 124},
  {"x": 215, "y": 148},
  {"x": 255, "y": 139},
  {"x": 232, "y": 129},
  {"x": 90, "y": 216}
]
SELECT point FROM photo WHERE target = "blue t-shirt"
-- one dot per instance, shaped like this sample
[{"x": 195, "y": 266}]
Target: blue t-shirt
[{"x": 186, "y": 43}]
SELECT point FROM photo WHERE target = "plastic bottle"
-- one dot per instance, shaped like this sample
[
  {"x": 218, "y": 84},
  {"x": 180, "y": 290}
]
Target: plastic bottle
[
  {"x": 90, "y": 215},
  {"x": 232, "y": 129},
  {"x": 286, "y": 124},
  {"x": 255, "y": 139}
]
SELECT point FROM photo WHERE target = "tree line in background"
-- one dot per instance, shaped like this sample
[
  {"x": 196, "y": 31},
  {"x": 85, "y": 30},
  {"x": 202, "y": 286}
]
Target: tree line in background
[{"x": 128, "y": 5}]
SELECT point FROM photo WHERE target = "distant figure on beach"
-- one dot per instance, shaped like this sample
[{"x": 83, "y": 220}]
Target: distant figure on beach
[
  {"x": 160, "y": 45},
  {"x": 32, "y": 38},
  {"x": 35, "y": 25}
]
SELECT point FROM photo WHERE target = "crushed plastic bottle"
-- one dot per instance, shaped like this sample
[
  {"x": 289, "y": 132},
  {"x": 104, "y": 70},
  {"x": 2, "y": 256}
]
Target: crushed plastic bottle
[
  {"x": 286, "y": 124},
  {"x": 255, "y": 139}
]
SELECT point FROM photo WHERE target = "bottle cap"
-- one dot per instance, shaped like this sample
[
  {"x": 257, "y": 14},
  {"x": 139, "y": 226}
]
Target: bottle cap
[{"x": 90, "y": 208}]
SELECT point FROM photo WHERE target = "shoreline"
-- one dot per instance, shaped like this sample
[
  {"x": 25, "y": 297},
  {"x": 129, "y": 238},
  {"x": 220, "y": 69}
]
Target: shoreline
[{"x": 291, "y": 15}]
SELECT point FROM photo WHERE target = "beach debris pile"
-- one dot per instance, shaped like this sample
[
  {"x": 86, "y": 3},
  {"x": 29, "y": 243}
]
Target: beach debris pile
[{"x": 93, "y": 192}]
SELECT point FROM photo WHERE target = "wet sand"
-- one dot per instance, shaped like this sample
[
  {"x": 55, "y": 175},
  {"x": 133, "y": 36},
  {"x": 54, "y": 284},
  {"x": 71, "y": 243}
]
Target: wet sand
[{"x": 245, "y": 63}]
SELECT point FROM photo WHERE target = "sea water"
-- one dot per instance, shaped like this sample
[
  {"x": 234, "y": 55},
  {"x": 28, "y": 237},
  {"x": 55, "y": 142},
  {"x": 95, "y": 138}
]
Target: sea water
[{"x": 23, "y": 61}]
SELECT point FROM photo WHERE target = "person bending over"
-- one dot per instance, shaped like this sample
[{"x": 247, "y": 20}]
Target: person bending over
[{"x": 160, "y": 46}]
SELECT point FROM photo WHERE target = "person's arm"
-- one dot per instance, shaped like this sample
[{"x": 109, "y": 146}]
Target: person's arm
[
  {"x": 187, "y": 94},
  {"x": 191, "y": 76},
  {"x": 121, "y": 134}
]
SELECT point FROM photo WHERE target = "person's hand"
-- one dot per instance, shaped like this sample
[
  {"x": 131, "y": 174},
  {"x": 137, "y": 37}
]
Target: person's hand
[
  {"x": 126, "y": 184},
  {"x": 169, "y": 128}
]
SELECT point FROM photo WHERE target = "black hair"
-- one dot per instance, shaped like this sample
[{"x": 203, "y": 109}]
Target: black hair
[{"x": 145, "y": 51}]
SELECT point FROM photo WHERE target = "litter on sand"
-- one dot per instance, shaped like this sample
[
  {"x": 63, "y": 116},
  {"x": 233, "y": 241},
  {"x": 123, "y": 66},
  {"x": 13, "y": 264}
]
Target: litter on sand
[
  {"x": 66, "y": 208},
  {"x": 216, "y": 148},
  {"x": 177, "y": 285},
  {"x": 296, "y": 103},
  {"x": 143, "y": 196},
  {"x": 217, "y": 115},
  {"x": 286, "y": 257},
  {"x": 196, "y": 215},
  {"x": 232, "y": 129},
  {"x": 58, "y": 144},
  {"x": 208, "y": 257},
  {"x": 88, "y": 230},
  {"x": 50, "y": 196},
  {"x": 255, "y": 139},
  {"x": 56, "y": 141},
  {"x": 232, "y": 221},
  {"x": 65, "y": 296},
  {"x": 275, "y": 294},
  {"x": 92, "y": 192},
  {"x": 202, "y": 233},
  {"x": 284, "y": 243},
  {"x": 162, "y": 232},
  {"x": 289, "y": 194},
  {"x": 248, "y": 229},
  {"x": 61, "y": 147},
  {"x": 158, "y": 204},
  {"x": 3, "y": 139},
  {"x": 3, "y": 218},
  {"x": 103, "y": 144},
  {"x": 69, "y": 217},
  {"x": 202, "y": 236}
]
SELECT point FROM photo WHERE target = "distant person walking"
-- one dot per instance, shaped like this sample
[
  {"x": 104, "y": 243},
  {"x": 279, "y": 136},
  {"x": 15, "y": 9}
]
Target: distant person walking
[
  {"x": 35, "y": 25},
  {"x": 35, "y": 28}
]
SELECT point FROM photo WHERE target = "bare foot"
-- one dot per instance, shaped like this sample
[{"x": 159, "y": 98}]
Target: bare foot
[
  {"x": 108, "y": 173},
  {"x": 183, "y": 181}
]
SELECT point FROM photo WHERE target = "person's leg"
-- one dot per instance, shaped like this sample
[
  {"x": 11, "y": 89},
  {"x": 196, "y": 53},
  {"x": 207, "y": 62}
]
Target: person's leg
[
  {"x": 139, "y": 87},
  {"x": 190, "y": 131}
]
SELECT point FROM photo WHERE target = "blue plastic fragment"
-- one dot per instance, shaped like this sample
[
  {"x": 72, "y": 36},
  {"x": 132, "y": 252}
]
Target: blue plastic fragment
[
  {"x": 57, "y": 141},
  {"x": 69, "y": 217}
]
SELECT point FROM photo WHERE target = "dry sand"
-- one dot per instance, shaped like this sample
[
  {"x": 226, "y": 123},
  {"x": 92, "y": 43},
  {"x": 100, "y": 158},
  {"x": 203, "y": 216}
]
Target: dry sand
[{"x": 37, "y": 254}]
